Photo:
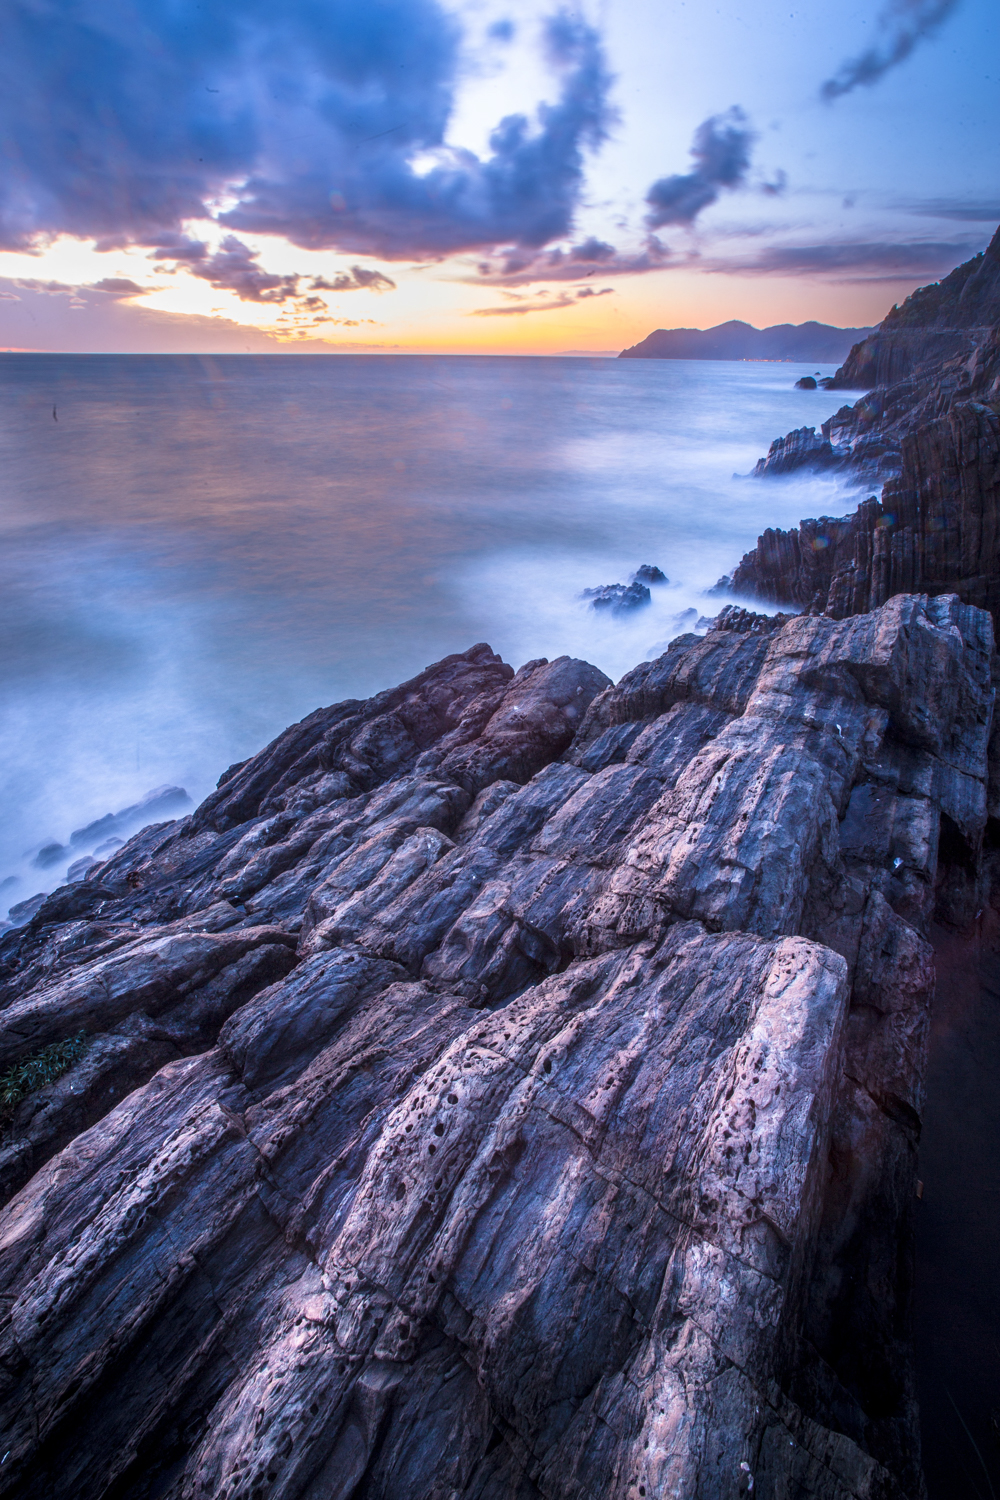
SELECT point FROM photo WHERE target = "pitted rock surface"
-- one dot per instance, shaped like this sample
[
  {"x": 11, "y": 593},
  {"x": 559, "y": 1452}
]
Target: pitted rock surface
[{"x": 508, "y": 1087}]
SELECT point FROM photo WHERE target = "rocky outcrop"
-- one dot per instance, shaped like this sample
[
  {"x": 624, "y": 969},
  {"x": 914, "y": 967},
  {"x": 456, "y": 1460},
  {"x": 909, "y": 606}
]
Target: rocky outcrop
[
  {"x": 506, "y": 1087},
  {"x": 931, "y": 441},
  {"x": 935, "y": 324},
  {"x": 938, "y": 351},
  {"x": 619, "y": 598},
  {"x": 936, "y": 530},
  {"x": 801, "y": 449}
]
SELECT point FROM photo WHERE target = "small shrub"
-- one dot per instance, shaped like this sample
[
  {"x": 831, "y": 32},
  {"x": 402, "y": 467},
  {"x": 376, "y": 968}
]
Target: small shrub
[{"x": 43, "y": 1066}]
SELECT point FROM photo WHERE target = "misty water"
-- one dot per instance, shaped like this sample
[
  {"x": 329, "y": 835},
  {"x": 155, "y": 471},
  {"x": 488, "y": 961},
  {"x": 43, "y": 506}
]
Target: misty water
[{"x": 199, "y": 551}]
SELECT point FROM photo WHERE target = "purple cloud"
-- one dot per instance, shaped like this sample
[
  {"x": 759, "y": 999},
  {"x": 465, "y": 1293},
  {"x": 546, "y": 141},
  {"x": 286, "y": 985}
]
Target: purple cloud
[
  {"x": 122, "y": 123},
  {"x": 721, "y": 152},
  {"x": 905, "y": 23}
]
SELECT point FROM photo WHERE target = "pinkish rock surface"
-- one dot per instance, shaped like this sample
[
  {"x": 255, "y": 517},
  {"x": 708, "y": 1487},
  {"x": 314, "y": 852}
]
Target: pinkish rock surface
[{"x": 505, "y": 1088}]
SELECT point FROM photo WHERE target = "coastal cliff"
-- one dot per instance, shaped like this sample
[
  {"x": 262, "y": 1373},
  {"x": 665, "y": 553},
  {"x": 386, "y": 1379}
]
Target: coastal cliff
[
  {"x": 505, "y": 1087},
  {"x": 929, "y": 436}
]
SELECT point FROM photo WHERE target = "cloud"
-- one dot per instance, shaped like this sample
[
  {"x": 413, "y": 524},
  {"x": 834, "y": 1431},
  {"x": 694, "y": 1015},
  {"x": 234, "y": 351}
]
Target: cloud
[
  {"x": 34, "y": 315},
  {"x": 721, "y": 151},
  {"x": 234, "y": 267},
  {"x": 592, "y": 257},
  {"x": 517, "y": 308},
  {"x": 984, "y": 212},
  {"x": 358, "y": 278},
  {"x": 125, "y": 122},
  {"x": 872, "y": 261},
  {"x": 905, "y": 23},
  {"x": 117, "y": 286}
]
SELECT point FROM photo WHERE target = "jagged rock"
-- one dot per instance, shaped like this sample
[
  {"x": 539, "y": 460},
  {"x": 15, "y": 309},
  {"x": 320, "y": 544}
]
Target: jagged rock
[
  {"x": 940, "y": 349},
  {"x": 649, "y": 573},
  {"x": 801, "y": 449},
  {"x": 522, "y": 1076},
  {"x": 618, "y": 598},
  {"x": 936, "y": 530},
  {"x": 932, "y": 439}
]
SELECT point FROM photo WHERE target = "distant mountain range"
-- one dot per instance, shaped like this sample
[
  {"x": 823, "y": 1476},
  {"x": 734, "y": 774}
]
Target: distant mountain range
[{"x": 794, "y": 341}]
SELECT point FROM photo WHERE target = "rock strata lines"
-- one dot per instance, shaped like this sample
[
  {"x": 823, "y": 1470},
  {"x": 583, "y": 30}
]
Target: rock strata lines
[{"x": 507, "y": 1087}]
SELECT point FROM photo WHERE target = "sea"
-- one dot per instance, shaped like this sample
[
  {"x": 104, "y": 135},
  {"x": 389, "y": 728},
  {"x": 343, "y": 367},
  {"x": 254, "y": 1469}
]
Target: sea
[{"x": 198, "y": 551}]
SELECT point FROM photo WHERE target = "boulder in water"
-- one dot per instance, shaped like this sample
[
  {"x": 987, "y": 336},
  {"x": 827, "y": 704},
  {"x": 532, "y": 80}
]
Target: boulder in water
[
  {"x": 649, "y": 573},
  {"x": 25, "y": 910},
  {"x": 49, "y": 854},
  {"x": 807, "y": 383},
  {"x": 162, "y": 803},
  {"x": 619, "y": 598}
]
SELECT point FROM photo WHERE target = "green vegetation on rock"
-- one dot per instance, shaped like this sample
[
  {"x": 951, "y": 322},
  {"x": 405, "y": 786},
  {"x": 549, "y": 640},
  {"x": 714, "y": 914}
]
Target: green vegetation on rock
[{"x": 38, "y": 1068}]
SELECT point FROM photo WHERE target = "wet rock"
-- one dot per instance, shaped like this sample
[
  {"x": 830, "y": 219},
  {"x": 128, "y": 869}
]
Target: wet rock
[
  {"x": 935, "y": 530},
  {"x": 161, "y": 802},
  {"x": 619, "y": 598},
  {"x": 23, "y": 911},
  {"x": 801, "y": 449},
  {"x": 48, "y": 855},
  {"x": 649, "y": 574},
  {"x": 929, "y": 435},
  {"x": 806, "y": 383}
]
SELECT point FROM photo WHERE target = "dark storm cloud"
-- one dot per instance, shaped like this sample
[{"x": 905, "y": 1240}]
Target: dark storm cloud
[
  {"x": 904, "y": 24},
  {"x": 853, "y": 262},
  {"x": 123, "y": 120},
  {"x": 721, "y": 152}
]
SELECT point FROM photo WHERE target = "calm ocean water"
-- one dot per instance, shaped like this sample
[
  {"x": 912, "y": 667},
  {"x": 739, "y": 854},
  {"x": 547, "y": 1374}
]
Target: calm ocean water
[{"x": 198, "y": 551}]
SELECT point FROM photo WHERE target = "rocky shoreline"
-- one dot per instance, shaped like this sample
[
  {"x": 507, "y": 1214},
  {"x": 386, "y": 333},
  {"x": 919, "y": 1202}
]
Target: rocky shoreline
[
  {"x": 510, "y": 1086},
  {"x": 518, "y": 1071},
  {"x": 928, "y": 432}
]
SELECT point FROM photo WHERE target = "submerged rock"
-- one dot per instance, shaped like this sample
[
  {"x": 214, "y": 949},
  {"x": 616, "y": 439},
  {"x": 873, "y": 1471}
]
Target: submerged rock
[
  {"x": 649, "y": 573},
  {"x": 23, "y": 911},
  {"x": 162, "y": 802},
  {"x": 48, "y": 855},
  {"x": 619, "y": 598},
  {"x": 508, "y": 1086}
]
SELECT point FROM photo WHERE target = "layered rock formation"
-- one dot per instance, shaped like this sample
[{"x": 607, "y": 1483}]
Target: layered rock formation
[
  {"x": 522, "y": 1077},
  {"x": 930, "y": 435},
  {"x": 947, "y": 320}
]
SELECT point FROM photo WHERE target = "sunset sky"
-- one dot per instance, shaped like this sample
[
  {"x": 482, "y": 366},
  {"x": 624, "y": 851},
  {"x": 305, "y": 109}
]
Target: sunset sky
[{"x": 410, "y": 175}]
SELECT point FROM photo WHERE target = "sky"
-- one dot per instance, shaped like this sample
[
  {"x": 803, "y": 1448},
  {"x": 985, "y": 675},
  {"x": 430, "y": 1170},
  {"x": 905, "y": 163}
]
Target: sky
[{"x": 482, "y": 176}]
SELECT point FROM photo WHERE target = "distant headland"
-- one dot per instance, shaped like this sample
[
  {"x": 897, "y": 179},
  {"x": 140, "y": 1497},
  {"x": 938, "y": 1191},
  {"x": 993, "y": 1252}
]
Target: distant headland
[{"x": 736, "y": 340}]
